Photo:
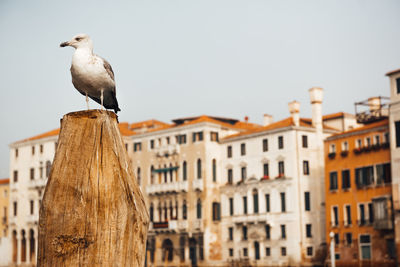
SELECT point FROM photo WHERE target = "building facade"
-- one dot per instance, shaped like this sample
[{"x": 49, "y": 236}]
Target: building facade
[
  {"x": 273, "y": 197},
  {"x": 4, "y": 203},
  {"x": 359, "y": 196}
]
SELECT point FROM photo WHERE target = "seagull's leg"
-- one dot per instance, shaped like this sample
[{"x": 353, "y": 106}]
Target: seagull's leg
[
  {"x": 101, "y": 98},
  {"x": 87, "y": 101}
]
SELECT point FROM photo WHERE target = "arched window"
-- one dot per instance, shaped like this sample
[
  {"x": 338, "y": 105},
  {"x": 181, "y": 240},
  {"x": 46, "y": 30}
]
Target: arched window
[
  {"x": 165, "y": 212},
  {"x": 138, "y": 176},
  {"x": 184, "y": 171},
  {"x": 165, "y": 174},
  {"x": 48, "y": 168},
  {"x": 168, "y": 249},
  {"x": 23, "y": 246},
  {"x": 32, "y": 246},
  {"x": 184, "y": 210},
  {"x": 171, "y": 210},
  {"x": 199, "y": 169},
  {"x": 159, "y": 213},
  {"x": 198, "y": 208},
  {"x": 257, "y": 250},
  {"x": 152, "y": 174},
  {"x": 15, "y": 246},
  {"x": 214, "y": 170},
  {"x": 171, "y": 177},
  {"x": 151, "y": 212}
]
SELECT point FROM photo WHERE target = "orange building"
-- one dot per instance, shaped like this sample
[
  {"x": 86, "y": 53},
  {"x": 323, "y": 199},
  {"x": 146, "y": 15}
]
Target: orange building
[{"x": 358, "y": 196}]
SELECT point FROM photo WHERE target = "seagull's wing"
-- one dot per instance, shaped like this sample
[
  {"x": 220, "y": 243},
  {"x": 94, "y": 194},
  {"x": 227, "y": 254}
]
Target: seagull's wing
[{"x": 108, "y": 68}]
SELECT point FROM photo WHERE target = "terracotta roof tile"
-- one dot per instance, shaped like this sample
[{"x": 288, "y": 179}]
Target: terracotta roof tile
[
  {"x": 54, "y": 132},
  {"x": 5, "y": 181},
  {"x": 147, "y": 124},
  {"x": 383, "y": 122},
  {"x": 392, "y": 72}
]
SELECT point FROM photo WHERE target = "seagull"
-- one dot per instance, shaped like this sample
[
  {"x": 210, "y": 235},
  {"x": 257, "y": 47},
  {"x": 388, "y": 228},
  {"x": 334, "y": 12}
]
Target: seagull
[{"x": 92, "y": 75}]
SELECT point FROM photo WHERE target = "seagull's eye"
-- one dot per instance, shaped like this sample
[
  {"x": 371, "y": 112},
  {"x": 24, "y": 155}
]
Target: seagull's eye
[{"x": 78, "y": 38}]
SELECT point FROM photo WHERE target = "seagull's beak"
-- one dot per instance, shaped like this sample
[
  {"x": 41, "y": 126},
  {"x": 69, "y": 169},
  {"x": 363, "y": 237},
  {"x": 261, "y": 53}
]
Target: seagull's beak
[{"x": 64, "y": 44}]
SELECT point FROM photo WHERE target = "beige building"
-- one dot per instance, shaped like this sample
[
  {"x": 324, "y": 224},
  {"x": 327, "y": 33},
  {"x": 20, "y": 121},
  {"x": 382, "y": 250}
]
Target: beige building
[
  {"x": 177, "y": 167},
  {"x": 4, "y": 200}
]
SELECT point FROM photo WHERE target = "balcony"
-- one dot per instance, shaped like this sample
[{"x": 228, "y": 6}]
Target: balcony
[
  {"x": 197, "y": 184},
  {"x": 37, "y": 184},
  {"x": 198, "y": 224},
  {"x": 174, "y": 187},
  {"x": 32, "y": 219},
  {"x": 169, "y": 226},
  {"x": 250, "y": 218},
  {"x": 167, "y": 150}
]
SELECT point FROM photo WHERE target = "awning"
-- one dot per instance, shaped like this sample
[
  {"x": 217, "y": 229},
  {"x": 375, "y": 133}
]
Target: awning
[{"x": 165, "y": 169}]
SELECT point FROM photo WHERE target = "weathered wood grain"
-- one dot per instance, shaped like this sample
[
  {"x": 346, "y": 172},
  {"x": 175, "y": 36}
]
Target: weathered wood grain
[{"x": 93, "y": 212}]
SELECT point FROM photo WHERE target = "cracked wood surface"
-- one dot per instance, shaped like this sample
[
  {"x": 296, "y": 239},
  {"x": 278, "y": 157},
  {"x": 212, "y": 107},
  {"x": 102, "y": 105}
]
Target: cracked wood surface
[{"x": 93, "y": 212}]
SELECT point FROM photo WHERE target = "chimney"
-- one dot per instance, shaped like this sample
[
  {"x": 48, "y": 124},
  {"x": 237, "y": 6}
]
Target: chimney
[
  {"x": 267, "y": 120},
  {"x": 316, "y": 95},
  {"x": 246, "y": 118},
  {"x": 294, "y": 109}
]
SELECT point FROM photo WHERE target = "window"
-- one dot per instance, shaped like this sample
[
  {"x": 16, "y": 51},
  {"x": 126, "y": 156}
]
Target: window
[
  {"x": 184, "y": 210},
  {"x": 243, "y": 149},
  {"x": 280, "y": 142},
  {"x": 397, "y": 132},
  {"x": 126, "y": 147},
  {"x": 267, "y": 231},
  {"x": 306, "y": 169},
  {"x": 364, "y": 176},
  {"x": 168, "y": 140},
  {"x": 358, "y": 143},
  {"x": 309, "y": 251},
  {"x": 151, "y": 144},
  {"x": 214, "y": 136},
  {"x": 199, "y": 169},
  {"x": 308, "y": 230},
  {"x": 256, "y": 250},
  {"x": 245, "y": 252},
  {"x": 333, "y": 182},
  {"x": 139, "y": 178},
  {"x": 346, "y": 179},
  {"x": 15, "y": 206},
  {"x": 348, "y": 214},
  {"x": 345, "y": 146},
  {"x": 267, "y": 203},
  {"x": 32, "y": 207},
  {"x": 283, "y": 202},
  {"x": 332, "y": 148},
  {"x": 255, "y": 201},
  {"x": 151, "y": 212},
  {"x": 349, "y": 238},
  {"x": 181, "y": 139},
  {"x": 33, "y": 150},
  {"x": 361, "y": 214},
  {"x": 229, "y": 151},
  {"x": 336, "y": 237},
  {"x": 283, "y": 251},
  {"x": 216, "y": 211},
  {"x": 41, "y": 148},
  {"x": 365, "y": 247},
  {"x": 137, "y": 146},
  {"x": 184, "y": 171},
  {"x": 244, "y": 232},
  {"x": 377, "y": 140},
  {"x": 281, "y": 168},
  {"x": 335, "y": 216},
  {"x": 231, "y": 252},
  {"x": 15, "y": 176},
  {"x": 16, "y": 152},
  {"x": 383, "y": 173},
  {"x": 266, "y": 170},
  {"x": 230, "y": 176},
  {"x": 267, "y": 251},
  {"x": 370, "y": 213},
  {"x": 304, "y": 141},
  {"x": 214, "y": 170},
  {"x": 198, "y": 136},
  {"x": 244, "y": 205},
  {"x": 243, "y": 172},
  {"x": 368, "y": 141},
  {"x": 283, "y": 231},
  {"x": 398, "y": 85},
  {"x": 48, "y": 168},
  {"x": 307, "y": 204},
  {"x": 198, "y": 209},
  {"x": 230, "y": 229},
  {"x": 265, "y": 145}
]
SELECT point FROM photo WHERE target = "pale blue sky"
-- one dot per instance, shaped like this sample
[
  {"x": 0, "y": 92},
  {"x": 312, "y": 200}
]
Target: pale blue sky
[{"x": 181, "y": 58}]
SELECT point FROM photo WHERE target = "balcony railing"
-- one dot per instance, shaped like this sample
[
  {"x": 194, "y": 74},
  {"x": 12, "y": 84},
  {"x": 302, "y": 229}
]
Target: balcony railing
[
  {"x": 198, "y": 184},
  {"x": 169, "y": 226},
  {"x": 249, "y": 218},
  {"x": 167, "y": 150},
  {"x": 37, "y": 183},
  {"x": 32, "y": 219},
  {"x": 167, "y": 188},
  {"x": 197, "y": 224}
]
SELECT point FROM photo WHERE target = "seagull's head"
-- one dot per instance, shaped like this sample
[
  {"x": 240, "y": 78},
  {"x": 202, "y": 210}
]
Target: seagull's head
[{"x": 79, "y": 41}]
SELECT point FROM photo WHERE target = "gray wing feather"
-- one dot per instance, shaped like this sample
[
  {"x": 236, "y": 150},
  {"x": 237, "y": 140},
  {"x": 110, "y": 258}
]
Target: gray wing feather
[{"x": 108, "y": 68}]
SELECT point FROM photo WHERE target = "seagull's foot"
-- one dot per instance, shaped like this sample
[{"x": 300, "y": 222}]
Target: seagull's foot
[{"x": 87, "y": 102}]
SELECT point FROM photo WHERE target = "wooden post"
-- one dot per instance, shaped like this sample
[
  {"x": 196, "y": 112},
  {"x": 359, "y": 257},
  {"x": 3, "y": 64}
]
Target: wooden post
[{"x": 93, "y": 212}]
